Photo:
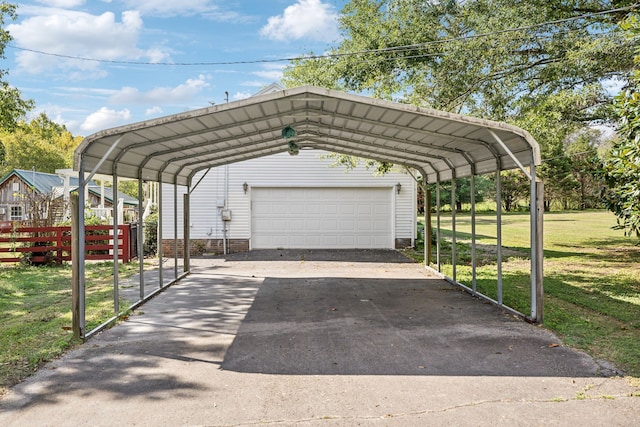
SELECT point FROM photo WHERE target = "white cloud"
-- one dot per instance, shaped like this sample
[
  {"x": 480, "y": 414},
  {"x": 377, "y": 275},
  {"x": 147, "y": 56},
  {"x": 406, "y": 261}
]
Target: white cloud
[
  {"x": 105, "y": 118},
  {"x": 62, "y": 3},
  {"x": 270, "y": 72},
  {"x": 203, "y": 8},
  {"x": 161, "y": 95},
  {"x": 271, "y": 75},
  {"x": 69, "y": 34},
  {"x": 170, "y": 8},
  {"x": 241, "y": 95},
  {"x": 306, "y": 19},
  {"x": 153, "y": 111}
]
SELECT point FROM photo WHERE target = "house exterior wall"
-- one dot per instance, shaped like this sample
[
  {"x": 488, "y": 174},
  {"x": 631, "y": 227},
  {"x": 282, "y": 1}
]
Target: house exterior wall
[
  {"x": 307, "y": 169},
  {"x": 12, "y": 194}
]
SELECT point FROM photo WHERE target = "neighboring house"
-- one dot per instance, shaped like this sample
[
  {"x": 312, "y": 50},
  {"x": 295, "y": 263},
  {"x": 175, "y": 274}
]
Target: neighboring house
[
  {"x": 301, "y": 201},
  {"x": 18, "y": 185}
]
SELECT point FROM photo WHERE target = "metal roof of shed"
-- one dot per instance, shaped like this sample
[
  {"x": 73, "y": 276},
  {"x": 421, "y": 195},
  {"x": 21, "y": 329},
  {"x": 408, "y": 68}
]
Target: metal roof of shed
[{"x": 174, "y": 148}]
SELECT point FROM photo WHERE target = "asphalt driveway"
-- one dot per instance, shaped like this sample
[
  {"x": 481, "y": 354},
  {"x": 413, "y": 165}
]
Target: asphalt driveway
[{"x": 320, "y": 337}]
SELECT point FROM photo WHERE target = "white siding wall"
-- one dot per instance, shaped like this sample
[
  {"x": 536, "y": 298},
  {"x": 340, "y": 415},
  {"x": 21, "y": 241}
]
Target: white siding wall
[{"x": 281, "y": 170}]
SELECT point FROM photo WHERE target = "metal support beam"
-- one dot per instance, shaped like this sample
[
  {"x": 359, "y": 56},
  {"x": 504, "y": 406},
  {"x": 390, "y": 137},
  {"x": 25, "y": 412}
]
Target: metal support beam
[
  {"x": 175, "y": 229},
  {"x": 439, "y": 228},
  {"x": 199, "y": 181},
  {"x": 510, "y": 153},
  {"x": 75, "y": 279},
  {"x": 539, "y": 267},
  {"x": 454, "y": 261},
  {"x": 81, "y": 249},
  {"x": 141, "y": 236},
  {"x": 499, "y": 234},
  {"x": 185, "y": 219},
  {"x": 427, "y": 227},
  {"x": 114, "y": 218},
  {"x": 537, "y": 250},
  {"x": 101, "y": 161},
  {"x": 474, "y": 284},
  {"x": 159, "y": 234}
]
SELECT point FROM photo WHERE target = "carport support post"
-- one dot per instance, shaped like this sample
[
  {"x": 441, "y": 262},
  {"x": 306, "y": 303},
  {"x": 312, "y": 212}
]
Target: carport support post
[
  {"x": 141, "y": 236},
  {"x": 473, "y": 233},
  {"x": 159, "y": 234},
  {"x": 453, "y": 225},
  {"x": 75, "y": 278},
  {"x": 175, "y": 230},
  {"x": 427, "y": 226},
  {"x": 499, "y": 233},
  {"x": 540, "y": 253},
  {"x": 114, "y": 217},
  {"x": 537, "y": 248},
  {"x": 185, "y": 220},
  {"x": 81, "y": 252},
  {"x": 438, "y": 233}
]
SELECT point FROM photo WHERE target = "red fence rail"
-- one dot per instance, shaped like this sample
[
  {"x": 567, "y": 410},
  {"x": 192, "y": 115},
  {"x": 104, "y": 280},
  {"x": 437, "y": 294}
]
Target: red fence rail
[{"x": 43, "y": 245}]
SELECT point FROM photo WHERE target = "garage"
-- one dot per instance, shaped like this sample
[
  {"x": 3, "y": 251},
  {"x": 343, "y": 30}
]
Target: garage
[{"x": 327, "y": 218}]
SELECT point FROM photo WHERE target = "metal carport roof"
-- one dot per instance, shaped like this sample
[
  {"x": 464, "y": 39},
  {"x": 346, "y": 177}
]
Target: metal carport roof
[{"x": 172, "y": 149}]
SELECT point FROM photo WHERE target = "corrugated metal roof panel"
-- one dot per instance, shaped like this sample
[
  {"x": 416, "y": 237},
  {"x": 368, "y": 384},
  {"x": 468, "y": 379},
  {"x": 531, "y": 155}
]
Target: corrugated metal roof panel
[{"x": 175, "y": 147}]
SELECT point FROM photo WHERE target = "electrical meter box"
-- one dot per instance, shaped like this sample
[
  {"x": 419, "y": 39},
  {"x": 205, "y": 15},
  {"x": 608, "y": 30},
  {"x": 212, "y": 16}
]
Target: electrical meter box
[{"x": 226, "y": 214}]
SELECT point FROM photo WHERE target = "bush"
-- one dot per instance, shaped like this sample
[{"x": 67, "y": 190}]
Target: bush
[{"x": 151, "y": 233}]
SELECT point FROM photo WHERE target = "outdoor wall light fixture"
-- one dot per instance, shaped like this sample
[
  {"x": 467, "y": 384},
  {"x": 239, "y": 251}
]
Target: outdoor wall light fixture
[
  {"x": 398, "y": 187},
  {"x": 245, "y": 187}
]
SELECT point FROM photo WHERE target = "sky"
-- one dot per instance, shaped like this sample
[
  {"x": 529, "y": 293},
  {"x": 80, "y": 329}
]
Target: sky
[{"x": 143, "y": 59}]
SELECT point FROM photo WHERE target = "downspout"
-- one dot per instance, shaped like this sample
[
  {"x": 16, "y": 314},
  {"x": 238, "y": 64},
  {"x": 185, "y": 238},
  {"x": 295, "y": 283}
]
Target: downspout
[{"x": 226, "y": 206}]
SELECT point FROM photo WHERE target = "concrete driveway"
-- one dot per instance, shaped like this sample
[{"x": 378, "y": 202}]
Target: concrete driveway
[{"x": 320, "y": 338}]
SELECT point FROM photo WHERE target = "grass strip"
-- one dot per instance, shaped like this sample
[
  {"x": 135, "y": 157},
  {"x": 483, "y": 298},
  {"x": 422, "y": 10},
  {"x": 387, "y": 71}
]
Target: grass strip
[
  {"x": 35, "y": 313},
  {"x": 591, "y": 277}
]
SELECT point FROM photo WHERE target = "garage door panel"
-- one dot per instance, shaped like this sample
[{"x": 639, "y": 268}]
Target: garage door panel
[{"x": 321, "y": 218}]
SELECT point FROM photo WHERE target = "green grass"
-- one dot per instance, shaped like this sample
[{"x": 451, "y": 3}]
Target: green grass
[
  {"x": 35, "y": 313},
  {"x": 591, "y": 278}
]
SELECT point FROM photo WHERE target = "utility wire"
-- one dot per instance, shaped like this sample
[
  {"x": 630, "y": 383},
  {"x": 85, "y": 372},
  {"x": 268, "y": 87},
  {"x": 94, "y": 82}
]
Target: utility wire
[{"x": 336, "y": 55}]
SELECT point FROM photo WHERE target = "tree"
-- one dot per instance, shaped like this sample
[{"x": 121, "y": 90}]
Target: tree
[
  {"x": 484, "y": 186},
  {"x": 470, "y": 56},
  {"x": 40, "y": 144},
  {"x": 539, "y": 64},
  {"x": 515, "y": 188},
  {"x": 586, "y": 165},
  {"x": 12, "y": 106},
  {"x": 622, "y": 167}
]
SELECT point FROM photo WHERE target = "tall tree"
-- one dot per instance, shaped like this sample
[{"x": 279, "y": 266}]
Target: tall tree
[
  {"x": 40, "y": 144},
  {"x": 500, "y": 59},
  {"x": 12, "y": 106},
  {"x": 622, "y": 167},
  {"x": 586, "y": 164}
]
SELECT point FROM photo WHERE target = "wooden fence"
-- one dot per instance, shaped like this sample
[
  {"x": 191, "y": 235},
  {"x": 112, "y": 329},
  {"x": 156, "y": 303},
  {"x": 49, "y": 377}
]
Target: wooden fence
[{"x": 45, "y": 245}]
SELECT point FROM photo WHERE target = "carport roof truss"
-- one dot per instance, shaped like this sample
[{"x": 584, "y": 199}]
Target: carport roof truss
[{"x": 173, "y": 149}]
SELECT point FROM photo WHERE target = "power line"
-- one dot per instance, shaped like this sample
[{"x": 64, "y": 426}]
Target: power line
[{"x": 393, "y": 49}]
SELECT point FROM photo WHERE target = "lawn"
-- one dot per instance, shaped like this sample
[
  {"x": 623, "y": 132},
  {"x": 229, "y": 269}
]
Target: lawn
[
  {"x": 35, "y": 313},
  {"x": 591, "y": 277}
]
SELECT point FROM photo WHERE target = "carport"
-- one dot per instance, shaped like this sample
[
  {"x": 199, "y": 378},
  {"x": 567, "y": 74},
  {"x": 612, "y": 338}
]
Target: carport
[{"x": 176, "y": 150}]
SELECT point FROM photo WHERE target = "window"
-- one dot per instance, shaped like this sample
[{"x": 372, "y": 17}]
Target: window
[
  {"x": 16, "y": 186},
  {"x": 16, "y": 213}
]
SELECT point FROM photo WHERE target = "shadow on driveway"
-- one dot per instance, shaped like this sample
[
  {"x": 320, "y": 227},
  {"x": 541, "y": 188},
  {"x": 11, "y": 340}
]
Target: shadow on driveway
[{"x": 390, "y": 326}]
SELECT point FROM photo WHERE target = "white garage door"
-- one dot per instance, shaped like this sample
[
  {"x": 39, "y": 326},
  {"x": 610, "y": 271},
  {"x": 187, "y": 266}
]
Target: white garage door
[{"x": 321, "y": 218}]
